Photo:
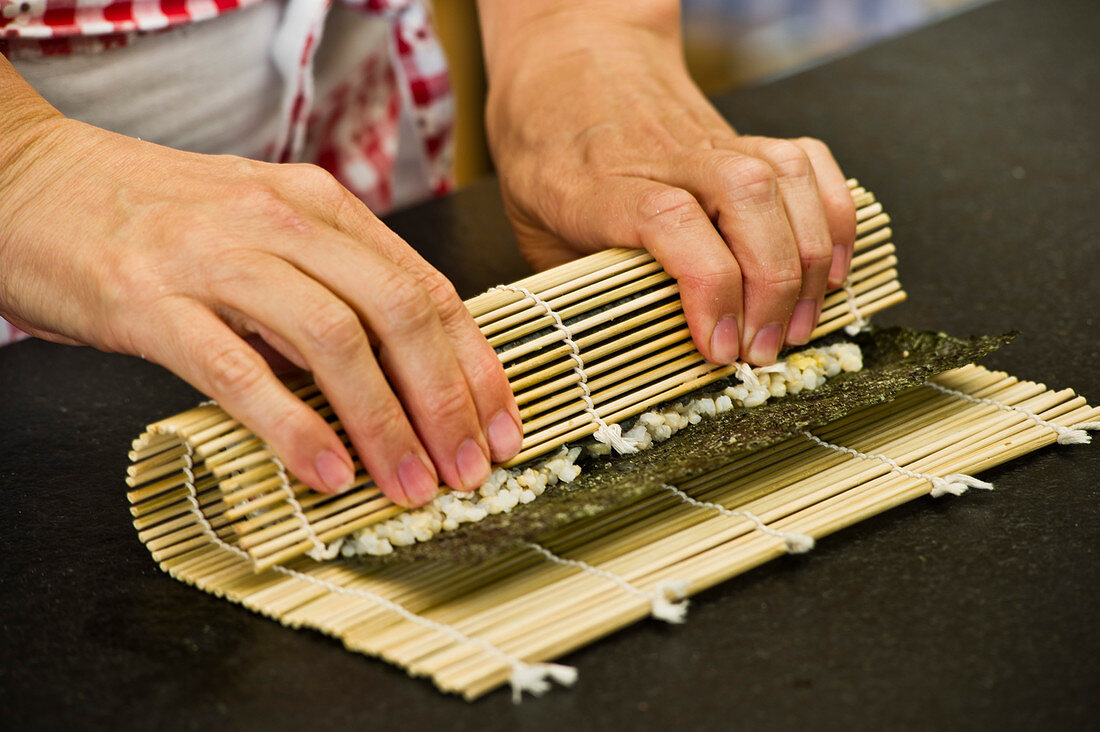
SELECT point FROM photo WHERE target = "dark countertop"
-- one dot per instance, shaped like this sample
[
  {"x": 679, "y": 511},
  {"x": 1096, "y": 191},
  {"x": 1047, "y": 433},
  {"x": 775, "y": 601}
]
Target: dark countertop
[{"x": 979, "y": 134}]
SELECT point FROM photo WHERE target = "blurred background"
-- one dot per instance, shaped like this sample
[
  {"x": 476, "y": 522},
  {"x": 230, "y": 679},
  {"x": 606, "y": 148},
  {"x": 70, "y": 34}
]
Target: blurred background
[{"x": 727, "y": 43}]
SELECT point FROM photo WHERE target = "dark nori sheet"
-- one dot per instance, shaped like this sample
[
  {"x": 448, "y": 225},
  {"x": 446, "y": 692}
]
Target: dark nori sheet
[{"x": 895, "y": 359}]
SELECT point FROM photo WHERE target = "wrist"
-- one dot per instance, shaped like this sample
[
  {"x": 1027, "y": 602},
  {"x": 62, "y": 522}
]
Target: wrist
[
  {"x": 537, "y": 32},
  {"x": 548, "y": 59},
  {"x": 26, "y": 139},
  {"x": 28, "y": 125},
  {"x": 23, "y": 116}
]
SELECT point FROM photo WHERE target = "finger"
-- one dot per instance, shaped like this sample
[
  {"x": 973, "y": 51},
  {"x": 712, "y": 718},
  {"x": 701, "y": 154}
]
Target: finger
[
  {"x": 330, "y": 338},
  {"x": 194, "y": 343},
  {"x": 840, "y": 211},
  {"x": 493, "y": 399},
  {"x": 741, "y": 193},
  {"x": 280, "y": 346},
  {"x": 798, "y": 188},
  {"x": 279, "y": 363},
  {"x": 279, "y": 354},
  {"x": 672, "y": 226},
  {"x": 417, "y": 356}
]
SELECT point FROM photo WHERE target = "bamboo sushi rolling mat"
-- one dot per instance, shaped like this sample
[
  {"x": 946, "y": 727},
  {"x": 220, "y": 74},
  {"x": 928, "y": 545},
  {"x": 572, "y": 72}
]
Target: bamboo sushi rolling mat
[
  {"x": 218, "y": 512},
  {"x": 584, "y": 346}
]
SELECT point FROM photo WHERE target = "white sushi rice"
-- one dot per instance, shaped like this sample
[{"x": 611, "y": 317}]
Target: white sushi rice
[{"x": 507, "y": 488}]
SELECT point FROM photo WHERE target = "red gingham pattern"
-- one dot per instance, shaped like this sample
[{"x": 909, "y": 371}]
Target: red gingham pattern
[
  {"x": 65, "y": 26},
  {"x": 9, "y": 333},
  {"x": 352, "y": 131}
]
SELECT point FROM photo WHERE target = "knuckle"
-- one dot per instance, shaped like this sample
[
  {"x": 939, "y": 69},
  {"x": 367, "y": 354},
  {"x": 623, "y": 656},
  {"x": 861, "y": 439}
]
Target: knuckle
[
  {"x": 815, "y": 247},
  {"x": 381, "y": 423},
  {"x": 485, "y": 373},
  {"x": 236, "y": 370},
  {"x": 667, "y": 208},
  {"x": 258, "y": 192},
  {"x": 329, "y": 194},
  {"x": 334, "y": 328},
  {"x": 782, "y": 278},
  {"x": 813, "y": 144},
  {"x": 317, "y": 179},
  {"x": 749, "y": 182},
  {"x": 408, "y": 307},
  {"x": 451, "y": 403},
  {"x": 286, "y": 428},
  {"x": 260, "y": 199},
  {"x": 714, "y": 280},
  {"x": 817, "y": 259},
  {"x": 788, "y": 158},
  {"x": 443, "y": 294}
]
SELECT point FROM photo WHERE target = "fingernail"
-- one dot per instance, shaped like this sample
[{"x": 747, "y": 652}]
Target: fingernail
[
  {"x": 504, "y": 436},
  {"x": 725, "y": 341},
  {"x": 765, "y": 345},
  {"x": 335, "y": 473},
  {"x": 802, "y": 322},
  {"x": 839, "y": 269},
  {"x": 473, "y": 466},
  {"x": 419, "y": 484}
]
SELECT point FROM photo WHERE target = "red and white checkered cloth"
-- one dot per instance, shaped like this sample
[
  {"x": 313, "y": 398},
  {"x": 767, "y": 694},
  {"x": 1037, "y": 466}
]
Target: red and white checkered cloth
[
  {"x": 352, "y": 130},
  {"x": 9, "y": 333}
]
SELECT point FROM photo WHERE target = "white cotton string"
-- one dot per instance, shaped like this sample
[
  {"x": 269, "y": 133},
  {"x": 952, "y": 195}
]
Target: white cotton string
[
  {"x": 534, "y": 678},
  {"x": 608, "y": 434},
  {"x": 319, "y": 552},
  {"x": 193, "y": 494},
  {"x": 666, "y": 601},
  {"x": 1075, "y": 435},
  {"x": 860, "y": 323},
  {"x": 955, "y": 483},
  {"x": 796, "y": 542}
]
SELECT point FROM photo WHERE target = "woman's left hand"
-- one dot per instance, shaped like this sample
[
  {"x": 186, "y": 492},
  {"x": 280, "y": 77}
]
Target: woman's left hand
[{"x": 601, "y": 139}]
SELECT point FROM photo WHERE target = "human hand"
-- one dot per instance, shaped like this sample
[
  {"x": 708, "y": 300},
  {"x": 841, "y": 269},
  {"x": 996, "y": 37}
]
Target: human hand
[
  {"x": 601, "y": 139},
  {"x": 135, "y": 248}
]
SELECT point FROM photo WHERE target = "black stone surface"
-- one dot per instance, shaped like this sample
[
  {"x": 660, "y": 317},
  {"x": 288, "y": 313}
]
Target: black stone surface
[{"x": 979, "y": 134}]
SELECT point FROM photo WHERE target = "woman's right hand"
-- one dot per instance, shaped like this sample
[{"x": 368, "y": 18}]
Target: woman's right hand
[{"x": 175, "y": 257}]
